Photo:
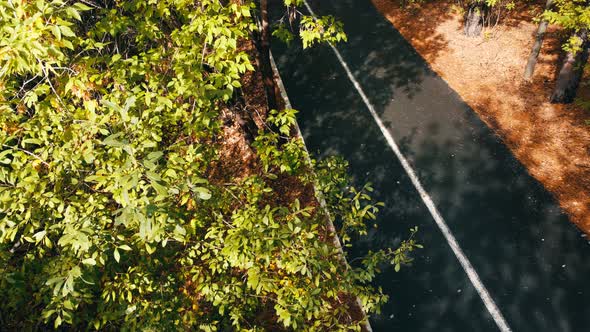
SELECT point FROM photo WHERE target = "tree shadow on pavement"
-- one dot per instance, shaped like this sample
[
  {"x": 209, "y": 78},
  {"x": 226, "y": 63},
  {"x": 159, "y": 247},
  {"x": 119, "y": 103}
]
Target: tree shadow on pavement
[{"x": 526, "y": 253}]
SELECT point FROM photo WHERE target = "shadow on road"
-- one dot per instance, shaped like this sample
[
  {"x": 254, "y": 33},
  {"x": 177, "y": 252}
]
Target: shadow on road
[{"x": 525, "y": 251}]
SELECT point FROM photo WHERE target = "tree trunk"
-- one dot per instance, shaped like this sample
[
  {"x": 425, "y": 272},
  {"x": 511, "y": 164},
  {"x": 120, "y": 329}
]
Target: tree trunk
[
  {"x": 532, "y": 62},
  {"x": 474, "y": 20},
  {"x": 570, "y": 74},
  {"x": 263, "y": 46}
]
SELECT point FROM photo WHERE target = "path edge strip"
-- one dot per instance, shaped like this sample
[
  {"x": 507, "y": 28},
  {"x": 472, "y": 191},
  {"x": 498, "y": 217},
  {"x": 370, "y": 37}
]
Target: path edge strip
[{"x": 365, "y": 324}]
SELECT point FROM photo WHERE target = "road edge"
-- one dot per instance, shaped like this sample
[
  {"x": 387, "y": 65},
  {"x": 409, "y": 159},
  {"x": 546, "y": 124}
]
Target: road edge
[{"x": 365, "y": 324}]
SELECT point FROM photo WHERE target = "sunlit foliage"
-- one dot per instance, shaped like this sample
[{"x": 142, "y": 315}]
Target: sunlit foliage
[{"x": 109, "y": 219}]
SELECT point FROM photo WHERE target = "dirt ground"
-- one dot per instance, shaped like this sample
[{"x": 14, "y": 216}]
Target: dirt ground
[
  {"x": 237, "y": 160},
  {"x": 552, "y": 141}
]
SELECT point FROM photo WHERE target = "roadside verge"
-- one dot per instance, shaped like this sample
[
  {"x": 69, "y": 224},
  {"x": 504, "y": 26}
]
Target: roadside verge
[{"x": 551, "y": 141}]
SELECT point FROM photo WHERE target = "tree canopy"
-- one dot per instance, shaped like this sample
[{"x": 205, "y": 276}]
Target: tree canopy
[
  {"x": 573, "y": 15},
  {"x": 110, "y": 217}
]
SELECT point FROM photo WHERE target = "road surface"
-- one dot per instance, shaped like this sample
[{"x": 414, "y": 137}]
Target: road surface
[{"x": 533, "y": 264}]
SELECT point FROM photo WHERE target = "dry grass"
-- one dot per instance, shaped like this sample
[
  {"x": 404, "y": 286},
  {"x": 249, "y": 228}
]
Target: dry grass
[{"x": 552, "y": 141}]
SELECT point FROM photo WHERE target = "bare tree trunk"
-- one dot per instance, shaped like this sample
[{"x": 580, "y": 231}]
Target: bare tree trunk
[
  {"x": 532, "y": 62},
  {"x": 474, "y": 20},
  {"x": 570, "y": 74},
  {"x": 263, "y": 46}
]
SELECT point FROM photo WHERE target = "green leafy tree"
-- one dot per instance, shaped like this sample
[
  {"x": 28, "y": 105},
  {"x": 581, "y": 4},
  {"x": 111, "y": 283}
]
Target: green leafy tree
[
  {"x": 477, "y": 14},
  {"x": 536, "y": 49},
  {"x": 109, "y": 215},
  {"x": 574, "y": 17},
  {"x": 308, "y": 28}
]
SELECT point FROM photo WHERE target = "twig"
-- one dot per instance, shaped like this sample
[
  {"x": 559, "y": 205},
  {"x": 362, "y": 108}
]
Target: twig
[
  {"x": 27, "y": 152},
  {"x": 50, "y": 84},
  {"x": 66, "y": 69},
  {"x": 91, "y": 4}
]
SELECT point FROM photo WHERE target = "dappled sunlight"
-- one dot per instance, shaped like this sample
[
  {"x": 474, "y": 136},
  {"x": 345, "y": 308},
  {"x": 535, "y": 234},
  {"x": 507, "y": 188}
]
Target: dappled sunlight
[
  {"x": 424, "y": 21},
  {"x": 526, "y": 253},
  {"x": 551, "y": 140},
  {"x": 548, "y": 151}
]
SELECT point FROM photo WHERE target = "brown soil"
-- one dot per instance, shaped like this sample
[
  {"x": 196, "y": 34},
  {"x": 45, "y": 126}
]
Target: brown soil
[
  {"x": 552, "y": 141},
  {"x": 237, "y": 160}
]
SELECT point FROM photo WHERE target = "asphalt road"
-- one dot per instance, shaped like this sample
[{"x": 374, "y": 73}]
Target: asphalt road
[{"x": 532, "y": 261}]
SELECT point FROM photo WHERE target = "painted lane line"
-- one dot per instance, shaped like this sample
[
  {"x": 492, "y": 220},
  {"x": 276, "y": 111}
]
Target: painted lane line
[{"x": 440, "y": 222}]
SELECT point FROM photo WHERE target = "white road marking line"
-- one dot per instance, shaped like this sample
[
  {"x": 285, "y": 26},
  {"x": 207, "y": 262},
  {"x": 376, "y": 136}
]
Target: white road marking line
[{"x": 440, "y": 222}]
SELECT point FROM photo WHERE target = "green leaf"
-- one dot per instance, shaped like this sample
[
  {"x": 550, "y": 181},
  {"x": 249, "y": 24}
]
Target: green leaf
[
  {"x": 112, "y": 140},
  {"x": 153, "y": 176},
  {"x": 81, "y": 6},
  {"x": 125, "y": 247},
  {"x": 72, "y": 12},
  {"x": 89, "y": 261},
  {"x": 55, "y": 31},
  {"x": 153, "y": 156},
  {"x": 66, "y": 31},
  {"x": 116, "y": 255},
  {"x": 39, "y": 236},
  {"x": 150, "y": 249},
  {"x": 203, "y": 193}
]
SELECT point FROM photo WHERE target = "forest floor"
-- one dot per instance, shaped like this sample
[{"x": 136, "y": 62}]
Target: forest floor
[
  {"x": 551, "y": 141},
  {"x": 238, "y": 160}
]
